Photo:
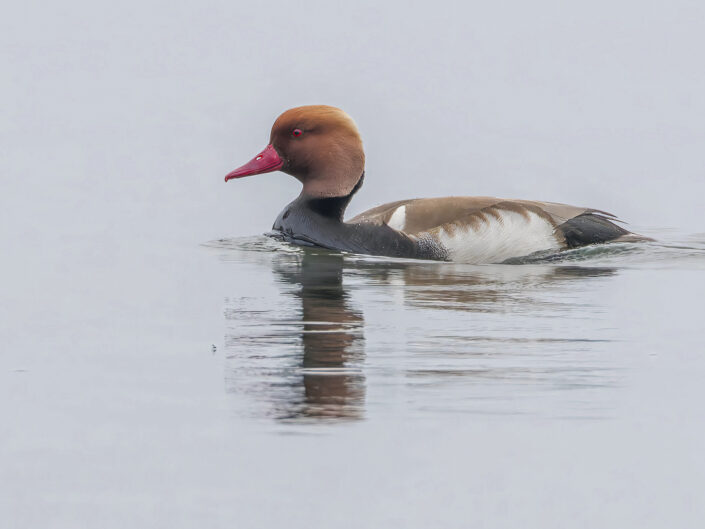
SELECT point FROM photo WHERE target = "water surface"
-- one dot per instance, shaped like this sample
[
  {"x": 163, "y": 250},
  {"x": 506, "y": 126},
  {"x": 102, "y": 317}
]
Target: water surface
[
  {"x": 249, "y": 383},
  {"x": 539, "y": 339}
]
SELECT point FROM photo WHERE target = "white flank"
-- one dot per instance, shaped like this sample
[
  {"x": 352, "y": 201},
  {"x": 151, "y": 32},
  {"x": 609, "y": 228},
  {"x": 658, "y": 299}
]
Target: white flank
[
  {"x": 398, "y": 219},
  {"x": 496, "y": 240}
]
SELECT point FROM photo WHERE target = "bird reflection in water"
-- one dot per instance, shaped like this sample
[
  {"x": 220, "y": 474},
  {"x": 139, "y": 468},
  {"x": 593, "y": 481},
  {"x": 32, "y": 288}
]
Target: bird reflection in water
[
  {"x": 320, "y": 332},
  {"x": 332, "y": 337},
  {"x": 467, "y": 288},
  {"x": 301, "y": 352}
]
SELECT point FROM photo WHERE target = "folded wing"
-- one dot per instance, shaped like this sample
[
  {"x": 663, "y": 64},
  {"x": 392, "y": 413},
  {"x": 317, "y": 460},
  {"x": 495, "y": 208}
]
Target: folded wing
[{"x": 475, "y": 229}]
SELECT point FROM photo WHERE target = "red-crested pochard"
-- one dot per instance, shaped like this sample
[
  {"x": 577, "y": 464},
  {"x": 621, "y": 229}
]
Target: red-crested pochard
[{"x": 321, "y": 146}]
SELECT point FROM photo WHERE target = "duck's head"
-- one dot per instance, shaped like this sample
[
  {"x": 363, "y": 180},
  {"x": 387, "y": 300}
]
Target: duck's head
[{"x": 319, "y": 145}]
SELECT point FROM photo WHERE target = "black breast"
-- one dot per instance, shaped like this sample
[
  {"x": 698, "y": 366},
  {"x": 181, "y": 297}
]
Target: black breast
[{"x": 318, "y": 222}]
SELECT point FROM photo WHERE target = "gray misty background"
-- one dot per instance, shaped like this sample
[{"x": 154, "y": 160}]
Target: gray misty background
[
  {"x": 118, "y": 122},
  {"x": 120, "y": 119}
]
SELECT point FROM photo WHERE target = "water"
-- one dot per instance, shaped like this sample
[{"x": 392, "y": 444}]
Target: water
[
  {"x": 551, "y": 339},
  {"x": 247, "y": 382}
]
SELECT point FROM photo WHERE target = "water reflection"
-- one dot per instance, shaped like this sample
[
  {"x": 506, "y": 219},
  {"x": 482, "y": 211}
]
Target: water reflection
[
  {"x": 311, "y": 338},
  {"x": 331, "y": 336},
  {"x": 482, "y": 339},
  {"x": 468, "y": 288}
]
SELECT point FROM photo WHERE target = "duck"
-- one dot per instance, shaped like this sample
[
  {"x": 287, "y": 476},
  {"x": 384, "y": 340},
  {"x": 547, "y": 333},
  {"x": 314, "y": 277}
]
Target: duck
[{"x": 321, "y": 146}]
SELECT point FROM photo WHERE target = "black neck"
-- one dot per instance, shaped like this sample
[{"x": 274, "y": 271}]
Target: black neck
[
  {"x": 319, "y": 222},
  {"x": 333, "y": 207}
]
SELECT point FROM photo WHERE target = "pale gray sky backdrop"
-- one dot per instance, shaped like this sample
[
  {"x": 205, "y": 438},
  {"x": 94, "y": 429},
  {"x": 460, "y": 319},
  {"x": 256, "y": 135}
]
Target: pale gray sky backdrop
[{"x": 120, "y": 119}]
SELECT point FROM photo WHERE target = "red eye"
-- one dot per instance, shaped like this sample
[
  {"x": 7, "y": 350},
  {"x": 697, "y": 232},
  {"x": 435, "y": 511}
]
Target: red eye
[{"x": 296, "y": 133}]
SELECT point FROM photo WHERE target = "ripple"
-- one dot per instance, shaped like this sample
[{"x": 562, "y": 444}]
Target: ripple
[
  {"x": 536, "y": 337},
  {"x": 687, "y": 250}
]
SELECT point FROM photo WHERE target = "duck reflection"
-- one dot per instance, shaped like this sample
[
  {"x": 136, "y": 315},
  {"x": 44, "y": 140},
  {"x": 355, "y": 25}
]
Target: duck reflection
[
  {"x": 301, "y": 352},
  {"x": 331, "y": 336},
  {"x": 490, "y": 288}
]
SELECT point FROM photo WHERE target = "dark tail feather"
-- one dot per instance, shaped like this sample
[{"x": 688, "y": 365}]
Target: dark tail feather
[{"x": 590, "y": 228}]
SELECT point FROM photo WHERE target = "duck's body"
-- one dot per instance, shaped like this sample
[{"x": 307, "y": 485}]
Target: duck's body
[{"x": 460, "y": 229}]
